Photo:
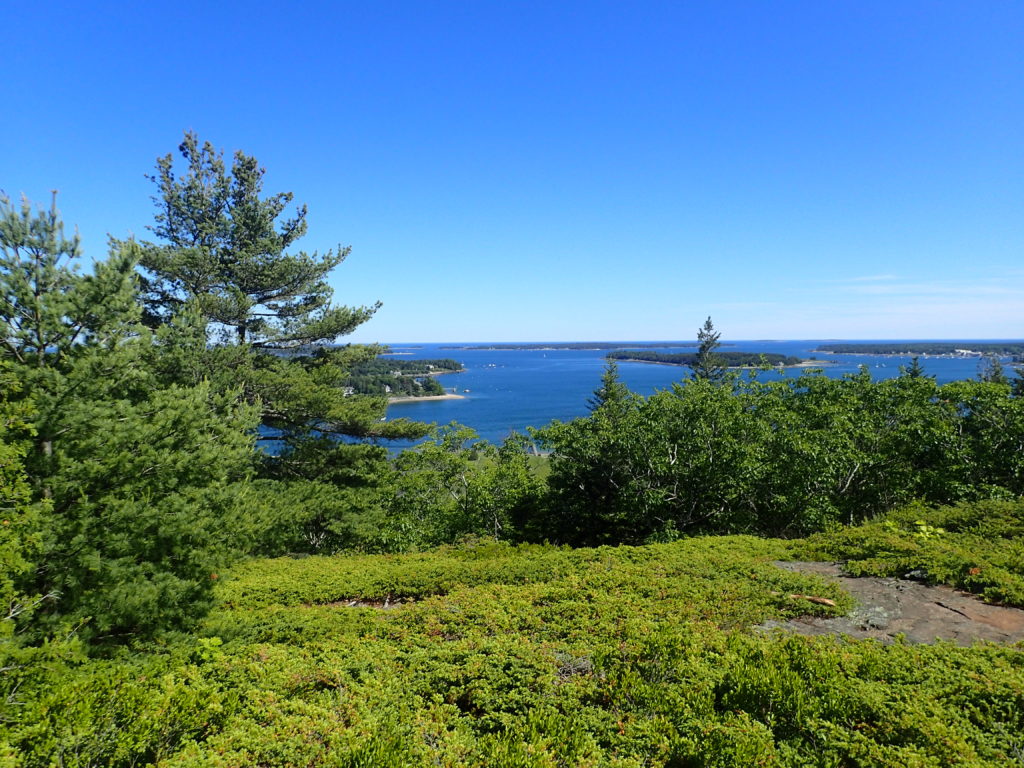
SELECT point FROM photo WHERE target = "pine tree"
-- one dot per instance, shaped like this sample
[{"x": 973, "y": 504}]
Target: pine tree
[
  {"x": 48, "y": 309},
  {"x": 21, "y": 523},
  {"x": 223, "y": 249},
  {"x": 991, "y": 369},
  {"x": 222, "y": 257},
  {"x": 611, "y": 391},
  {"x": 708, "y": 365},
  {"x": 133, "y": 473},
  {"x": 913, "y": 371},
  {"x": 1017, "y": 384},
  {"x": 51, "y": 314}
]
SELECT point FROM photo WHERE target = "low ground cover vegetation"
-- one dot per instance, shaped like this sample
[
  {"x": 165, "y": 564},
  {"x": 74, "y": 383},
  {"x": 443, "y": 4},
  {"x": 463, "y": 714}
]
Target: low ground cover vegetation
[{"x": 492, "y": 654}]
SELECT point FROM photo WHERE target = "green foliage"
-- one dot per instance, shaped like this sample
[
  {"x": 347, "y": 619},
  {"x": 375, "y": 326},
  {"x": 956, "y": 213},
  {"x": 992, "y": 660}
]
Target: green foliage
[
  {"x": 130, "y": 474},
  {"x": 221, "y": 272},
  {"x": 278, "y": 517},
  {"x": 650, "y": 468},
  {"x": 20, "y": 519},
  {"x": 51, "y": 317},
  {"x": 453, "y": 486},
  {"x": 915, "y": 370},
  {"x": 317, "y": 495},
  {"x": 320, "y": 580},
  {"x": 47, "y": 308},
  {"x": 780, "y": 458},
  {"x": 126, "y": 489},
  {"x": 991, "y": 369},
  {"x": 303, "y": 393},
  {"x": 139, "y": 499},
  {"x": 117, "y": 713},
  {"x": 527, "y": 655},
  {"x": 612, "y": 391},
  {"x": 394, "y": 386},
  {"x": 991, "y": 422},
  {"x": 509, "y": 489},
  {"x": 389, "y": 365}
]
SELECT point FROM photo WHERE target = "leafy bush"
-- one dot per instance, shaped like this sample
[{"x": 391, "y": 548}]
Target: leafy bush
[{"x": 779, "y": 458}]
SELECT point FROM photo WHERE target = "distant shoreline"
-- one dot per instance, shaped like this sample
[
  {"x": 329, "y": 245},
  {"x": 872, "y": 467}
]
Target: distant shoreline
[
  {"x": 400, "y": 400},
  {"x": 923, "y": 355},
  {"x": 951, "y": 349}
]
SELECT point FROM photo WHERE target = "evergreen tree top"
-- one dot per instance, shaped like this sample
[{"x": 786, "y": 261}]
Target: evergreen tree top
[
  {"x": 708, "y": 364},
  {"x": 222, "y": 250}
]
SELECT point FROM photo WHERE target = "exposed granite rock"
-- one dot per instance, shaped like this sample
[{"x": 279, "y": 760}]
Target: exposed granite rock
[{"x": 889, "y": 607}]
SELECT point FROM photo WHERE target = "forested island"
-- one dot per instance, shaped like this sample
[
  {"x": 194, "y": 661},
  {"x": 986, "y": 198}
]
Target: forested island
[
  {"x": 401, "y": 378},
  {"x": 950, "y": 348},
  {"x": 173, "y": 594},
  {"x": 728, "y": 359}
]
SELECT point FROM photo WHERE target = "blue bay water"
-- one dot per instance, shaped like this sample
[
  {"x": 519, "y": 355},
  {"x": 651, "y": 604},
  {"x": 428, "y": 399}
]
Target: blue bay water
[{"x": 513, "y": 389}]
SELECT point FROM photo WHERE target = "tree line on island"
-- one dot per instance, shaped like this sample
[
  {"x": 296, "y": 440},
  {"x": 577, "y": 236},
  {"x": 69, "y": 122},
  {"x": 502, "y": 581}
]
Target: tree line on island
[
  {"x": 689, "y": 359},
  {"x": 707, "y": 362}
]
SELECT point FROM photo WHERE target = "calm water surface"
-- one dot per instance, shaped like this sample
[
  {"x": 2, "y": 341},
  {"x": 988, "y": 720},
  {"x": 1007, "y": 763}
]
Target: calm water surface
[{"x": 513, "y": 389}]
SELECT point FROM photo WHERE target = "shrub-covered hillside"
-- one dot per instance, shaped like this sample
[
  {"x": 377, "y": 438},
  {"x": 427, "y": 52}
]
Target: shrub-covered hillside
[{"x": 496, "y": 655}]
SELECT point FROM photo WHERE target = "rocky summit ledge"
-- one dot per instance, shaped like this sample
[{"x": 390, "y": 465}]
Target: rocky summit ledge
[{"x": 887, "y": 607}]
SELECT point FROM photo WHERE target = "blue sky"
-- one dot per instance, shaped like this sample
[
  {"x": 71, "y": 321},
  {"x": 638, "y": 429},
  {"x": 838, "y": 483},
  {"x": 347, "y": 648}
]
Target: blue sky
[{"x": 563, "y": 170}]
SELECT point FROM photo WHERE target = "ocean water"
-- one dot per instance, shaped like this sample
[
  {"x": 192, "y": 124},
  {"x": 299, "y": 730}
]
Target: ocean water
[{"x": 509, "y": 390}]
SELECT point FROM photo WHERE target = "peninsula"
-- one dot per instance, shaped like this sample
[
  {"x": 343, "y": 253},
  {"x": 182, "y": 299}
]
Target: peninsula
[{"x": 402, "y": 380}]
